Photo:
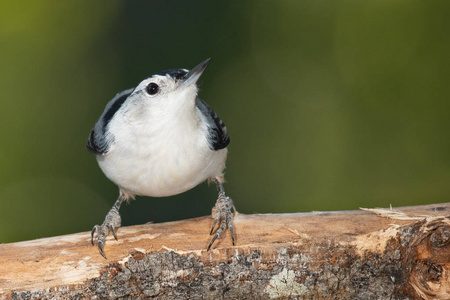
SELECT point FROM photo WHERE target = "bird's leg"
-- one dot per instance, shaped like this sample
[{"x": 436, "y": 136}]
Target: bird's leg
[
  {"x": 111, "y": 224},
  {"x": 224, "y": 216}
]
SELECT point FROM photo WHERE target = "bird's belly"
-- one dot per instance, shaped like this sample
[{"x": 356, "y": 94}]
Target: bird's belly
[{"x": 164, "y": 173}]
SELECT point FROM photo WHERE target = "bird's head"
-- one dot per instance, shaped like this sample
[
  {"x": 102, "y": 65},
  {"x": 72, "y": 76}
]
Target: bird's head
[{"x": 168, "y": 90}]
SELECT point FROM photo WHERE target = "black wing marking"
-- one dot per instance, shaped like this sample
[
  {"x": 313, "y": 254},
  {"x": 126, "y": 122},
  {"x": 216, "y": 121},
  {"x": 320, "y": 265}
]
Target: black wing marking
[
  {"x": 218, "y": 136},
  {"x": 97, "y": 141},
  {"x": 93, "y": 145}
]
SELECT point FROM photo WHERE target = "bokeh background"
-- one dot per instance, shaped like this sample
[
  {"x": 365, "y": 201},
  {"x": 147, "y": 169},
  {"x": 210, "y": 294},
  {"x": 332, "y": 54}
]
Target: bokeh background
[{"x": 329, "y": 105}]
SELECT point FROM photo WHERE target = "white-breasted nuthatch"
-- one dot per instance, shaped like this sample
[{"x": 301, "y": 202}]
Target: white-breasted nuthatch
[{"x": 159, "y": 139}]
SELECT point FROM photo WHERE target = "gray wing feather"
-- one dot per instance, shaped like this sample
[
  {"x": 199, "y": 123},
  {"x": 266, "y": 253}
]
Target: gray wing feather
[{"x": 97, "y": 141}]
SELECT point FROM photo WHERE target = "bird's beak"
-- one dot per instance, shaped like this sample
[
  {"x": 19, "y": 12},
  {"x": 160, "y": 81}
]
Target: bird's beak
[{"x": 193, "y": 75}]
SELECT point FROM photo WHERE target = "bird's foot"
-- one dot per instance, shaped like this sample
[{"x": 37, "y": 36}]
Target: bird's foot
[
  {"x": 111, "y": 224},
  {"x": 224, "y": 217}
]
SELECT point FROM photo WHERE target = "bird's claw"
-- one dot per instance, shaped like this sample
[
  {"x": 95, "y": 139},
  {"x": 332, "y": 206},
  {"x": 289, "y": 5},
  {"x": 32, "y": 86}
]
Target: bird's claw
[
  {"x": 111, "y": 223},
  {"x": 102, "y": 232},
  {"x": 93, "y": 231},
  {"x": 224, "y": 217},
  {"x": 111, "y": 228}
]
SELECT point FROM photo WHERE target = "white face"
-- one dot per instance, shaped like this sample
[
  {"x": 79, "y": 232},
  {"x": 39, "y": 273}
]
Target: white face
[
  {"x": 157, "y": 86},
  {"x": 160, "y": 95}
]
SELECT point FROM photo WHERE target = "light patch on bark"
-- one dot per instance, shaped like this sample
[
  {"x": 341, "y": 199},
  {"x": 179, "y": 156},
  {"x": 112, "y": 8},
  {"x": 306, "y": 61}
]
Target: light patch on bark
[
  {"x": 284, "y": 285},
  {"x": 375, "y": 241},
  {"x": 139, "y": 238},
  {"x": 57, "y": 240},
  {"x": 181, "y": 252},
  {"x": 393, "y": 214}
]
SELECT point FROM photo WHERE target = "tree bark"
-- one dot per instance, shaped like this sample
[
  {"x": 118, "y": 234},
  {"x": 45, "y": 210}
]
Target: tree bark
[{"x": 366, "y": 254}]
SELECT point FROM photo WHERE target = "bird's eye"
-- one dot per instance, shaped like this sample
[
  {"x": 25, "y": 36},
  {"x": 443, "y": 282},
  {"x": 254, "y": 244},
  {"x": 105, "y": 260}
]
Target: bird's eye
[{"x": 152, "y": 88}]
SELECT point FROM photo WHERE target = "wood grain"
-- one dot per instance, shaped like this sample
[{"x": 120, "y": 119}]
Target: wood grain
[{"x": 379, "y": 254}]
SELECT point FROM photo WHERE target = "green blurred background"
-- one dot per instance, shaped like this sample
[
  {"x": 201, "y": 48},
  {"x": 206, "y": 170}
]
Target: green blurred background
[{"x": 329, "y": 105}]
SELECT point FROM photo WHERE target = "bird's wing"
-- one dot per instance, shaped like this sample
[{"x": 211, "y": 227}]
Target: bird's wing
[
  {"x": 94, "y": 145},
  {"x": 97, "y": 141},
  {"x": 218, "y": 137}
]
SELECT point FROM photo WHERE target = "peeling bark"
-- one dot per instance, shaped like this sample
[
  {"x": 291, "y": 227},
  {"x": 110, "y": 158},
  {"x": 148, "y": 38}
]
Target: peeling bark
[{"x": 370, "y": 254}]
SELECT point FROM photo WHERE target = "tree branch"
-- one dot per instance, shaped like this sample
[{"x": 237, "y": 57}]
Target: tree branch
[{"x": 376, "y": 254}]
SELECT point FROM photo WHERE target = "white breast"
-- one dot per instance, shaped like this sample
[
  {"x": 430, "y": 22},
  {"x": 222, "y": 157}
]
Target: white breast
[{"x": 161, "y": 159}]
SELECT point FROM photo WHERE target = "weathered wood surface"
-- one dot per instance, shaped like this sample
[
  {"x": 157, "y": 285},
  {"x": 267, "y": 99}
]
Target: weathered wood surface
[{"x": 401, "y": 254}]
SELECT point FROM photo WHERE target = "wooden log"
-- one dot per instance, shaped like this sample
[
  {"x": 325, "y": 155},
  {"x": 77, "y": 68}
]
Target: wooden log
[{"x": 376, "y": 254}]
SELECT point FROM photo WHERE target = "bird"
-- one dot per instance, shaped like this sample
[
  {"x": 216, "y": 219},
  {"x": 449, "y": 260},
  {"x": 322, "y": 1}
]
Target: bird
[{"x": 160, "y": 139}]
